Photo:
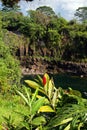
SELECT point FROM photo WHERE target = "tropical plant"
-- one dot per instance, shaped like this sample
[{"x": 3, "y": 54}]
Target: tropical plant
[
  {"x": 33, "y": 119},
  {"x": 69, "y": 106},
  {"x": 46, "y": 86}
]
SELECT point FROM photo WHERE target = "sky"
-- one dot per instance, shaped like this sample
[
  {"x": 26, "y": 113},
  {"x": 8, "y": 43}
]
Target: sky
[{"x": 66, "y": 8}]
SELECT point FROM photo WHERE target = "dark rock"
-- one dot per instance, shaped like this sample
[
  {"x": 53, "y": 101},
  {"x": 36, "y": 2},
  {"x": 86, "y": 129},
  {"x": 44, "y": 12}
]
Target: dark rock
[{"x": 40, "y": 66}]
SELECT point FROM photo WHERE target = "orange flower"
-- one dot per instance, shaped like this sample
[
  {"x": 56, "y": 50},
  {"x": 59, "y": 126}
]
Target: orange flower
[{"x": 44, "y": 80}]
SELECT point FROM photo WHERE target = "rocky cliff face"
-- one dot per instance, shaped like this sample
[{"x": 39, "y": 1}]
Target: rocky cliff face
[
  {"x": 73, "y": 67},
  {"x": 39, "y": 66}
]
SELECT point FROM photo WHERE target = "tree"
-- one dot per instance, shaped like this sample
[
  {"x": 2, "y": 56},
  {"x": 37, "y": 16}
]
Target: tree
[
  {"x": 46, "y": 10},
  {"x": 81, "y": 13},
  {"x": 14, "y": 8},
  {"x": 57, "y": 23},
  {"x": 11, "y": 3},
  {"x": 11, "y": 20},
  {"x": 38, "y": 17},
  {"x": 53, "y": 42}
]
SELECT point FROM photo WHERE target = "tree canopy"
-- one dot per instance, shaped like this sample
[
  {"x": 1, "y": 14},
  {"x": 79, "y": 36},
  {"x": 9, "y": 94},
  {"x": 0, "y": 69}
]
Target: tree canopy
[
  {"x": 46, "y": 10},
  {"x": 11, "y": 3},
  {"x": 81, "y": 13},
  {"x": 47, "y": 31}
]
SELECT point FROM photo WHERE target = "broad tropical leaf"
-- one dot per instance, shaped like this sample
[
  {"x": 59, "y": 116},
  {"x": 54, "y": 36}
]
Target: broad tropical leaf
[
  {"x": 46, "y": 109},
  {"x": 50, "y": 89},
  {"x": 37, "y": 104},
  {"x": 38, "y": 121},
  {"x": 34, "y": 85},
  {"x": 67, "y": 127}
]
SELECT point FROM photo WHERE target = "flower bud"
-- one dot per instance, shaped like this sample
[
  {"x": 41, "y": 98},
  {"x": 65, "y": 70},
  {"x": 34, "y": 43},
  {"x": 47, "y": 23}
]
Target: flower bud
[{"x": 44, "y": 80}]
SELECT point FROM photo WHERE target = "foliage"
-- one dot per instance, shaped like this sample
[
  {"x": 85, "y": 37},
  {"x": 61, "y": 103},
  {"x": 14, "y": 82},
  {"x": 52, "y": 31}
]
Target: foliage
[
  {"x": 46, "y": 10},
  {"x": 33, "y": 119},
  {"x": 71, "y": 116},
  {"x": 70, "y": 107},
  {"x": 9, "y": 68},
  {"x": 11, "y": 3},
  {"x": 14, "y": 41},
  {"x": 81, "y": 13},
  {"x": 0, "y": 24},
  {"x": 11, "y": 20},
  {"x": 46, "y": 87},
  {"x": 62, "y": 40},
  {"x": 50, "y": 108},
  {"x": 39, "y": 17}
]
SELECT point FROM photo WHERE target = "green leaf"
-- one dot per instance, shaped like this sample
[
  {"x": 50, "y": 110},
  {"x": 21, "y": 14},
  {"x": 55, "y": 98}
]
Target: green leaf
[
  {"x": 34, "y": 96},
  {"x": 67, "y": 127},
  {"x": 54, "y": 100},
  {"x": 28, "y": 94},
  {"x": 38, "y": 121},
  {"x": 34, "y": 85},
  {"x": 46, "y": 101},
  {"x": 75, "y": 92},
  {"x": 26, "y": 125},
  {"x": 46, "y": 109},
  {"x": 24, "y": 98},
  {"x": 39, "y": 80},
  {"x": 56, "y": 122},
  {"x": 50, "y": 89},
  {"x": 80, "y": 125},
  {"x": 65, "y": 121},
  {"x": 37, "y": 105},
  {"x": 47, "y": 76}
]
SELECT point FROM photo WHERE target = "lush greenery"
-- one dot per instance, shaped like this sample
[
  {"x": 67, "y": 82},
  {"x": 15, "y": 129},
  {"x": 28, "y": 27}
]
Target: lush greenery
[
  {"x": 46, "y": 108},
  {"x": 10, "y": 73},
  {"x": 41, "y": 34},
  {"x": 46, "y": 34}
]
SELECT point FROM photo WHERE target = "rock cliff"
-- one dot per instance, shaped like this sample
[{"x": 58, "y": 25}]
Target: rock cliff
[{"x": 40, "y": 66}]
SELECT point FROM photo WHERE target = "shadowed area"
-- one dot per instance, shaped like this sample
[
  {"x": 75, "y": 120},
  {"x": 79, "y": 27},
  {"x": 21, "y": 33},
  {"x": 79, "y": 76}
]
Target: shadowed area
[{"x": 11, "y": 3}]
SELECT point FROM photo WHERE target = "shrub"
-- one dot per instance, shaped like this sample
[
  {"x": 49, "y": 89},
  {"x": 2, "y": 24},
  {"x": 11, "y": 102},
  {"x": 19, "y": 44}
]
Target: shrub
[{"x": 10, "y": 73}]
